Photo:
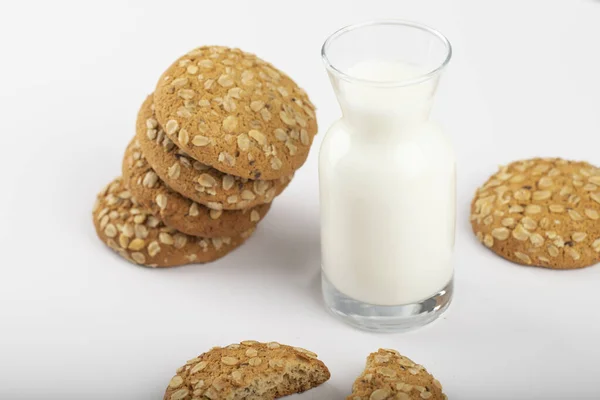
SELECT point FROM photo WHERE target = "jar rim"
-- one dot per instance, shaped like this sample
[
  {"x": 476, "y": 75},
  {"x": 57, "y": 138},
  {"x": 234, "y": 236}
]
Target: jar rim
[{"x": 383, "y": 22}]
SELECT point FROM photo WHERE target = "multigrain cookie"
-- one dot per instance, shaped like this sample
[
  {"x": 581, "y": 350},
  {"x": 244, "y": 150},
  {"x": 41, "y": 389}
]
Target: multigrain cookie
[
  {"x": 233, "y": 111},
  {"x": 197, "y": 181},
  {"x": 141, "y": 238},
  {"x": 250, "y": 371},
  {"x": 178, "y": 212},
  {"x": 391, "y": 376},
  {"x": 542, "y": 212}
]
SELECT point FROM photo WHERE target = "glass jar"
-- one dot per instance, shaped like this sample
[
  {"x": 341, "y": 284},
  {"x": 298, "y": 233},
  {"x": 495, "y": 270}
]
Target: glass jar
[{"x": 387, "y": 179}]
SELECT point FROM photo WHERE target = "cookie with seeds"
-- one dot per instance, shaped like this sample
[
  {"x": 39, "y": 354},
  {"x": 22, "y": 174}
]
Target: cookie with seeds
[
  {"x": 542, "y": 212},
  {"x": 249, "y": 370},
  {"x": 235, "y": 112},
  {"x": 178, "y": 212},
  {"x": 197, "y": 181},
  {"x": 141, "y": 238},
  {"x": 391, "y": 376}
]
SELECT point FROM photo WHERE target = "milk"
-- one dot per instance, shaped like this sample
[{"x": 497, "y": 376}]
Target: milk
[{"x": 387, "y": 189}]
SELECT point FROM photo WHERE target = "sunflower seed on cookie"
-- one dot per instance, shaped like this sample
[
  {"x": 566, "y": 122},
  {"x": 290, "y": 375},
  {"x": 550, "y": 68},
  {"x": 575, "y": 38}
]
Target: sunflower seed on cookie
[
  {"x": 138, "y": 236},
  {"x": 239, "y": 113},
  {"x": 541, "y": 212},
  {"x": 197, "y": 181},
  {"x": 248, "y": 370}
]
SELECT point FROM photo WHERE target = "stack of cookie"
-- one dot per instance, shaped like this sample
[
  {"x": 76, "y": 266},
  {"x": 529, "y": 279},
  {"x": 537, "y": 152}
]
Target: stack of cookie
[{"x": 216, "y": 142}]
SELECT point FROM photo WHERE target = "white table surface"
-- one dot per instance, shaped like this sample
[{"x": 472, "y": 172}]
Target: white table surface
[{"x": 77, "y": 322}]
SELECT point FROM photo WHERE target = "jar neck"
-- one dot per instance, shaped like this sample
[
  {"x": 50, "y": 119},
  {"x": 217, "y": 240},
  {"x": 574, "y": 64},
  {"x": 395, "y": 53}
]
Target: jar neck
[
  {"x": 380, "y": 110},
  {"x": 386, "y": 124}
]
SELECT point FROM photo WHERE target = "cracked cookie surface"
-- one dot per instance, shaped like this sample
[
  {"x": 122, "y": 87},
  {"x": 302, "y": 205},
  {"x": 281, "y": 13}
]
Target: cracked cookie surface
[
  {"x": 249, "y": 370},
  {"x": 389, "y": 375}
]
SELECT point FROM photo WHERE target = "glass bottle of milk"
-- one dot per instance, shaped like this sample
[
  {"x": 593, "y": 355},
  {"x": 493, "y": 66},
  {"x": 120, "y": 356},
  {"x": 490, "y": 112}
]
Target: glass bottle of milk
[{"x": 387, "y": 179}]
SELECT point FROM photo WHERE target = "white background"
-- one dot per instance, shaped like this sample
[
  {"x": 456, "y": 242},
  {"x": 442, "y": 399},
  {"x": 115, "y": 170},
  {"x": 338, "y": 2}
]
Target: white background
[{"x": 77, "y": 322}]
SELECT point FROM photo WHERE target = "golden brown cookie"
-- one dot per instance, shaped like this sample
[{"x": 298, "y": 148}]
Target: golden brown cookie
[
  {"x": 391, "y": 376},
  {"x": 178, "y": 212},
  {"x": 235, "y": 112},
  {"x": 542, "y": 212},
  {"x": 247, "y": 371},
  {"x": 197, "y": 181},
  {"x": 141, "y": 238}
]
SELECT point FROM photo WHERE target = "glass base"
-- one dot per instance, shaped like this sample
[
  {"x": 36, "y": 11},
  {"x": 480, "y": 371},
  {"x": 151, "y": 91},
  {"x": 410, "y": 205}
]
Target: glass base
[{"x": 376, "y": 318}]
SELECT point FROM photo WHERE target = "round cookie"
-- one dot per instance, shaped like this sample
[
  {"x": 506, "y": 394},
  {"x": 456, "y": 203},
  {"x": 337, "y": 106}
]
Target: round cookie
[
  {"x": 143, "y": 239},
  {"x": 177, "y": 211},
  {"x": 541, "y": 212},
  {"x": 197, "y": 181},
  {"x": 235, "y": 112},
  {"x": 248, "y": 370},
  {"x": 390, "y": 376}
]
